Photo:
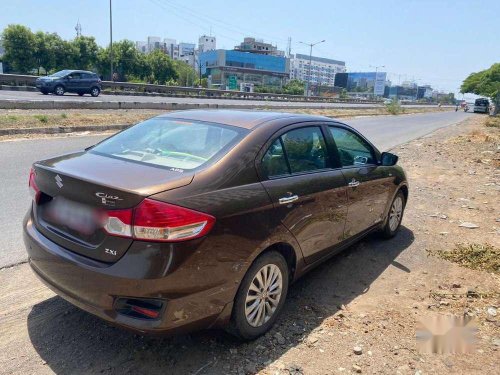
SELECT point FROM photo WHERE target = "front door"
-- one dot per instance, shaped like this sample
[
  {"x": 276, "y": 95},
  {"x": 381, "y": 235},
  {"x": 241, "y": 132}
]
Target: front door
[
  {"x": 73, "y": 82},
  {"x": 368, "y": 184},
  {"x": 309, "y": 196}
]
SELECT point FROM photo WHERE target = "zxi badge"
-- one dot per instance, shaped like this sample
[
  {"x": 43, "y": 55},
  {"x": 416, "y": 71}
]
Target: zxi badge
[
  {"x": 108, "y": 200},
  {"x": 59, "y": 181}
]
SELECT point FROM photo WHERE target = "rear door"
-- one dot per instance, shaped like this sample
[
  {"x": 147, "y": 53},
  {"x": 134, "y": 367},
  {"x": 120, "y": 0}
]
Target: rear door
[
  {"x": 309, "y": 195},
  {"x": 368, "y": 184}
]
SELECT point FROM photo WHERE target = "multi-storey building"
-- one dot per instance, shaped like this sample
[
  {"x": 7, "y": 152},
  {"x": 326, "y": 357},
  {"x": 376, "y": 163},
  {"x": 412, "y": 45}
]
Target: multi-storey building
[
  {"x": 236, "y": 70},
  {"x": 206, "y": 43},
  {"x": 322, "y": 70},
  {"x": 253, "y": 45}
]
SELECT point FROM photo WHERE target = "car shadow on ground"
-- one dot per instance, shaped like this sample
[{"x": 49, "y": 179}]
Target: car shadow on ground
[{"x": 72, "y": 341}]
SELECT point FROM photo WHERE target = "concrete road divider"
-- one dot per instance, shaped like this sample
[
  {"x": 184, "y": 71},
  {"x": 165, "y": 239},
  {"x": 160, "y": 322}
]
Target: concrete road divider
[{"x": 99, "y": 104}]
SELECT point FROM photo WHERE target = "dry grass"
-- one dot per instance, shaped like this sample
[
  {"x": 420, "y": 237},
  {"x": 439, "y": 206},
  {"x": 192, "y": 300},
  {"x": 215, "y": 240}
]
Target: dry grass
[
  {"x": 475, "y": 256},
  {"x": 352, "y": 112},
  {"x": 56, "y": 118},
  {"x": 42, "y": 118},
  {"x": 492, "y": 122}
]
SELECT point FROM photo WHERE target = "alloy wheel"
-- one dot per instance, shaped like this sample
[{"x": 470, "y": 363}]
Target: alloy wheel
[
  {"x": 263, "y": 295},
  {"x": 396, "y": 213}
]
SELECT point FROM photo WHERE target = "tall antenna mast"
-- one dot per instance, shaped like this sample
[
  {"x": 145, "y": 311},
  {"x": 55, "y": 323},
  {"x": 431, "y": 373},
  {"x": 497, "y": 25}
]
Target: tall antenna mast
[
  {"x": 289, "y": 47},
  {"x": 78, "y": 29}
]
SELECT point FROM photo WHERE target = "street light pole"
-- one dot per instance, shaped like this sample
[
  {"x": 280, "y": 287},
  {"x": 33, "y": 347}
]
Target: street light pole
[
  {"x": 111, "y": 40},
  {"x": 311, "y": 45}
]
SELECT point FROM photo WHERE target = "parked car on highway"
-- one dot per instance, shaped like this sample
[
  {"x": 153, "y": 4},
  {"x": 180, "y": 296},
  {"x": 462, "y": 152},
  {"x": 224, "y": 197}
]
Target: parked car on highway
[
  {"x": 481, "y": 105},
  {"x": 76, "y": 81},
  {"x": 201, "y": 219}
]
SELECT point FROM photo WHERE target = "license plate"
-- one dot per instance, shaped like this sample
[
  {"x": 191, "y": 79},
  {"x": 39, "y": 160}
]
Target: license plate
[{"x": 73, "y": 215}]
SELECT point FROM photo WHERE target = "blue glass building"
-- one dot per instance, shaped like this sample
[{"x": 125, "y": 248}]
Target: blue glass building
[{"x": 228, "y": 69}]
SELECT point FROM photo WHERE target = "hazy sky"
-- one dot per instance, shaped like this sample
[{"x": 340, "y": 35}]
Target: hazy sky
[{"x": 437, "y": 42}]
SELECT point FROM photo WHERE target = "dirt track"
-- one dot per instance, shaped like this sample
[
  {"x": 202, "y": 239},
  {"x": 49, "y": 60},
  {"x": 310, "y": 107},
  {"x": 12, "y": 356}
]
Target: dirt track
[{"x": 370, "y": 296}]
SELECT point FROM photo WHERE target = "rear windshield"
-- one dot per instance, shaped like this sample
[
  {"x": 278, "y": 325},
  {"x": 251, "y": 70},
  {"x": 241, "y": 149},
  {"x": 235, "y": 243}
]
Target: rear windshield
[
  {"x": 481, "y": 102},
  {"x": 171, "y": 143}
]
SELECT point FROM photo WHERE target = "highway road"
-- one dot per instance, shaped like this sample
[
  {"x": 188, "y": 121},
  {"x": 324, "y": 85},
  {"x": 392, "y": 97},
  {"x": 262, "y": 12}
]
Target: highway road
[
  {"x": 17, "y": 156},
  {"x": 36, "y": 96}
]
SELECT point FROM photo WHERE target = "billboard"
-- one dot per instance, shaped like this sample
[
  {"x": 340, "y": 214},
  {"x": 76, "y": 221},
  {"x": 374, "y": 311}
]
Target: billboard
[{"x": 367, "y": 82}]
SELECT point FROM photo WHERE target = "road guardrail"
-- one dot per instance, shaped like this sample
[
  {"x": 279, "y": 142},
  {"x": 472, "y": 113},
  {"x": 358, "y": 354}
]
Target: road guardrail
[{"x": 127, "y": 88}]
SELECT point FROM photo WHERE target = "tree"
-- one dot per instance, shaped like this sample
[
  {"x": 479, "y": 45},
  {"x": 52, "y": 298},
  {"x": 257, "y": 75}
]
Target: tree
[
  {"x": 484, "y": 83},
  {"x": 44, "y": 53},
  {"x": 185, "y": 73},
  {"x": 162, "y": 68},
  {"x": 127, "y": 61},
  {"x": 85, "y": 52},
  {"x": 19, "y": 44}
]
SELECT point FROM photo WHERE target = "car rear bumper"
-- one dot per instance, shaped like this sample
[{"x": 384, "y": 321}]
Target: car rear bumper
[{"x": 95, "y": 288}]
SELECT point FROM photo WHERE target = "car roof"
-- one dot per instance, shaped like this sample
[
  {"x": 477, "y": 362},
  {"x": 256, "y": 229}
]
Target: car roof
[
  {"x": 247, "y": 119},
  {"x": 81, "y": 71}
]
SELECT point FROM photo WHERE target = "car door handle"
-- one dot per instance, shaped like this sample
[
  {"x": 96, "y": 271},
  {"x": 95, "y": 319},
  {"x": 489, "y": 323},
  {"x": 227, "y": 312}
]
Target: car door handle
[
  {"x": 354, "y": 183},
  {"x": 287, "y": 200}
]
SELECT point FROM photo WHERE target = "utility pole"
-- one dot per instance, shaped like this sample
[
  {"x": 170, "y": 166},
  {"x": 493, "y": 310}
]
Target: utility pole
[
  {"x": 111, "y": 40},
  {"x": 311, "y": 45}
]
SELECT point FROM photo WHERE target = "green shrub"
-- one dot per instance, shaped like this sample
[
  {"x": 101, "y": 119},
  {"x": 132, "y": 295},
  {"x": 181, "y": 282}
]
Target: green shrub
[
  {"x": 42, "y": 118},
  {"x": 393, "y": 107}
]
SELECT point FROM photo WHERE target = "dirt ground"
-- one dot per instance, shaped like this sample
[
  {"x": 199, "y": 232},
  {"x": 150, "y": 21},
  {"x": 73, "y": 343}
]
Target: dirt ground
[
  {"x": 32, "y": 118},
  {"x": 370, "y": 297}
]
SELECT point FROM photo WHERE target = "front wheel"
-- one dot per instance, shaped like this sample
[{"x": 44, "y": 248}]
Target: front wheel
[
  {"x": 94, "y": 91},
  {"x": 261, "y": 296},
  {"x": 393, "y": 220}
]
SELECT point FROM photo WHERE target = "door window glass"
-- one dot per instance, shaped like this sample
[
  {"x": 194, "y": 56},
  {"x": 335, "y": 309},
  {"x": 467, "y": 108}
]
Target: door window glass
[
  {"x": 305, "y": 149},
  {"x": 353, "y": 150},
  {"x": 273, "y": 162}
]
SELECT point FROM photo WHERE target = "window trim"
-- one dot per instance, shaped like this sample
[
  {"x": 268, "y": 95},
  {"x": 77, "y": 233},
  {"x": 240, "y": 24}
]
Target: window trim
[{"x": 277, "y": 135}]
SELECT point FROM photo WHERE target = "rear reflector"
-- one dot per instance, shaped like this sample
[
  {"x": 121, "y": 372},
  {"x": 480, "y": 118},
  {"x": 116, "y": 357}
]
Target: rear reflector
[
  {"x": 34, "y": 190},
  {"x": 139, "y": 308},
  {"x": 158, "y": 221}
]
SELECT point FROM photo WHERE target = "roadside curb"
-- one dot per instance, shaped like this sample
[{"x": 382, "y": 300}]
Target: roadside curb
[{"x": 61, "y": 129}]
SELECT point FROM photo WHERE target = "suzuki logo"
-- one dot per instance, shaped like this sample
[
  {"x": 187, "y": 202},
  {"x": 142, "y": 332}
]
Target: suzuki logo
[{"x": 59, "y": 181}]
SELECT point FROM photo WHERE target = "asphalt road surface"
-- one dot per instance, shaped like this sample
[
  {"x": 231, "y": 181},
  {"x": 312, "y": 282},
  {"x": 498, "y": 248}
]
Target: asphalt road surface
[
  {"x": 30, "y": 95},
  {"x": 17, "y": 156}
]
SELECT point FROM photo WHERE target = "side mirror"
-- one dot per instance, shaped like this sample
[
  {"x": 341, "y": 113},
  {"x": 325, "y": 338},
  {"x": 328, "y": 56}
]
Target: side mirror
[{"x": 387, "y": 159}]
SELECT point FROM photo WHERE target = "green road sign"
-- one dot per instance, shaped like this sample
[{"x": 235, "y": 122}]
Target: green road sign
[{"x": 232, "y": 83}]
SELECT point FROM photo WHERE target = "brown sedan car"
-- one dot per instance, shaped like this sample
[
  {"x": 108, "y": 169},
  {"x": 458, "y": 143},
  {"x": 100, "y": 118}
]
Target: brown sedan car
[{"x": 202, "y": 219}]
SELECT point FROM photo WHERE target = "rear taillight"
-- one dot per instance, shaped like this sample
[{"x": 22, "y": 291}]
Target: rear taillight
[
  {"x": 158, "y": 221},
  {"x": 34, "y": 190}
]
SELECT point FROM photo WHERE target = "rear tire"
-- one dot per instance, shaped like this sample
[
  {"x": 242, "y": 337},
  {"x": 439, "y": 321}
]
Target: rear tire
[
  {"x": 94, "y": 91},
  {"x": 260, "y": 297},
  {"x": 395, "y": 215},
  {"x": 81, "y": 93},
  {"x": 59, "y": 90},
  {"x": 44, "y": 92}
]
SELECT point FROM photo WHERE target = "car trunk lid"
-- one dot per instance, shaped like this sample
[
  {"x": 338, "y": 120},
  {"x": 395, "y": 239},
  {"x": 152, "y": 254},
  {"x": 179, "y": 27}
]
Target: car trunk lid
[{"x": 78, "y": 189}]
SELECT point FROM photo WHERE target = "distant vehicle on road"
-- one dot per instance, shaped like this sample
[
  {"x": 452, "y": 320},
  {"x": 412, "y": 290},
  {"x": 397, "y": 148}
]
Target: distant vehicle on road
[
  {"x": 80, "y": 82},
  {"x": 202, "y": 218},
  {"x": 481, "y": 105}
]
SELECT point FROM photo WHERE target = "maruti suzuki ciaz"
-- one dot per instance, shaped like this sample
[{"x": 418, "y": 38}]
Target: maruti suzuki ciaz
[{"x": 200, "y": 219}]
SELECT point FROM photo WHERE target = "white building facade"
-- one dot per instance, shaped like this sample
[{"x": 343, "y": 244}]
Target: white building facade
[
  {"x": 323, "y": 70},
  {"x": 206, "y": 43}
]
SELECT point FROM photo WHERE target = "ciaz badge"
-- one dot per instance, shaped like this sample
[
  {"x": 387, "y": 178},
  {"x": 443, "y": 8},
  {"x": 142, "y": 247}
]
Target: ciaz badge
[{"x": 106, "y": 199}]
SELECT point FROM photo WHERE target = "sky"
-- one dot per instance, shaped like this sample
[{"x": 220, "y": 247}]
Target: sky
[{"x": 436, "y": 42}]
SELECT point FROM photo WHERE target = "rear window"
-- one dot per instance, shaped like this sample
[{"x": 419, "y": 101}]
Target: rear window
[
  {"x": 171, "y": 143},
  {"x": 481, "y": 102}
]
